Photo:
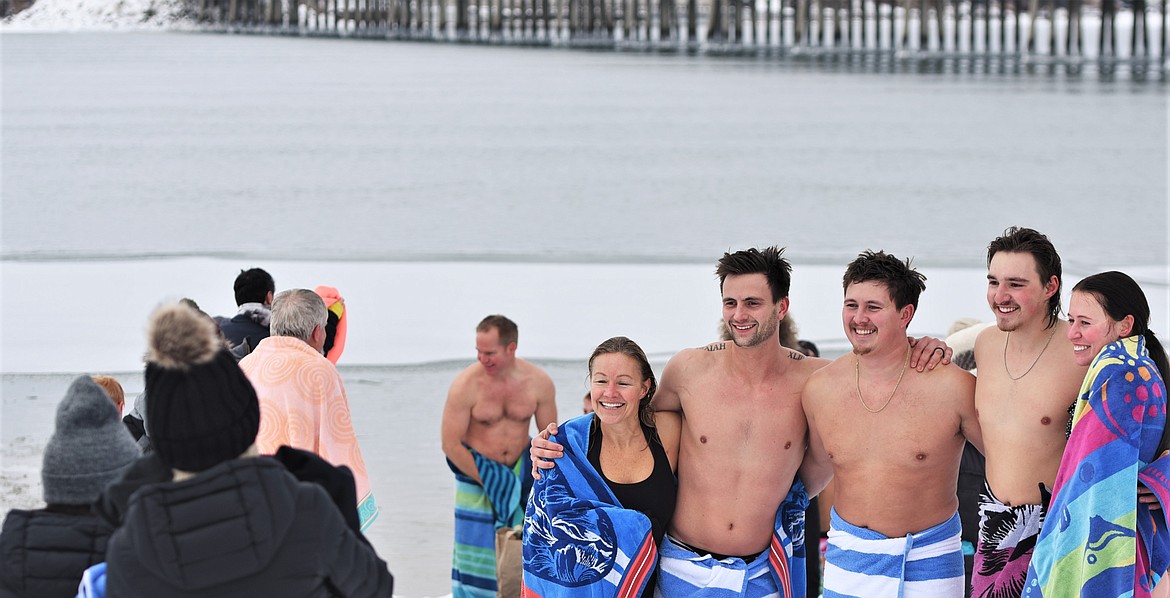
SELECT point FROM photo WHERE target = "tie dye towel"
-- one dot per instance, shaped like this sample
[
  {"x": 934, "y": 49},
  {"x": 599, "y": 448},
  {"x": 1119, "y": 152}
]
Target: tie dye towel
[
  {"x": 1097, "y": 540},
  {"x": 863, "y": 563},
  {"x": 578, "y": 540},
  {"x": 779, "y": 571},
  {"x": 479, "y": 511}
]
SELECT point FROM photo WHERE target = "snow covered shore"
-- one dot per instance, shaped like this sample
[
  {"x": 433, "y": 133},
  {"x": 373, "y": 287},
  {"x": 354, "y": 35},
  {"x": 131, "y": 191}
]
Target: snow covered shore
[{"x": 100, "y": 15}]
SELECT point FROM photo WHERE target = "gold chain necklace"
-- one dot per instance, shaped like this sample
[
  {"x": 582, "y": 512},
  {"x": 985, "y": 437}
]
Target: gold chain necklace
[
  {"x": 1021, "y": 376},
  {"x": 857, "y": 373}
]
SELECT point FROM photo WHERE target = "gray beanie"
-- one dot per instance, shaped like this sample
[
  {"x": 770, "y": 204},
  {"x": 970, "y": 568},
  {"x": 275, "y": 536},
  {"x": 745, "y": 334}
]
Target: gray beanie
[{"x": 89, "y": 448}]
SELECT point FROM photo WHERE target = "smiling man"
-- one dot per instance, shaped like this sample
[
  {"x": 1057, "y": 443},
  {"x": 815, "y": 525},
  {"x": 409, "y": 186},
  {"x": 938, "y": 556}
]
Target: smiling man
[
  {"x": 891, "y": 439},
  {"x": 485, "y": 432},
  {"x": 740, "y": 508},
  {"x": 1028, "y": 382}
]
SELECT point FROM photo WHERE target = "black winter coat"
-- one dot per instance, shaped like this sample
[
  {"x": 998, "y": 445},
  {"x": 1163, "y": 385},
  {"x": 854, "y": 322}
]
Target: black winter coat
[
  {"x": 44, "y": 553},
  {"x": 245, "y": 527},
  {"x": 240, "y": 327}
]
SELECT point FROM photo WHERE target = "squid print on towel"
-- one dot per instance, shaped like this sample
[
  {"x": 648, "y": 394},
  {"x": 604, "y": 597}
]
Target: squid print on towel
[{"x": 578, "y": 540}]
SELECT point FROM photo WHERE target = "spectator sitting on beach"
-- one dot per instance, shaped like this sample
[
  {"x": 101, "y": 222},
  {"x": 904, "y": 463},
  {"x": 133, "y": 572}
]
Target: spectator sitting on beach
[
  {"x": 625, "y": 446},
  {"x": 304, "y": 400},
  {"x": 231, "y": 523},
  {"x": 45, "y": 551},
  {"x": 253, "y": 289}
]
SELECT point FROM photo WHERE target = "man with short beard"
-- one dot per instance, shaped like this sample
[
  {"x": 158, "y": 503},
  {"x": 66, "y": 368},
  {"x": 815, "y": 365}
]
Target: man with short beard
[
  {"x": 891, "y": 439},
  {"x": 1027, "y": 383}
]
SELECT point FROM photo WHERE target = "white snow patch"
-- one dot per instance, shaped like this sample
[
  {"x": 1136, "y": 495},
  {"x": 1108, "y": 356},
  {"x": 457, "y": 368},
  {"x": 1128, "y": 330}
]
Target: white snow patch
[{"x": 100, "y": 15}]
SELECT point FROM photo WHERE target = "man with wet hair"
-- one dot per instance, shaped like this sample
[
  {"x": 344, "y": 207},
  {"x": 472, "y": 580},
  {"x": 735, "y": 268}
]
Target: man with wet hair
[
  {"x": 877, "y": 424},
  {"x": 1028, "y": 382}
]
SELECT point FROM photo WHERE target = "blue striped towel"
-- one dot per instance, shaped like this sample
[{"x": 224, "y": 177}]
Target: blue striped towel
[
  {"x": 778, "y": 572},
  {"x": 862, "y": 563},
  {"x": 479, "y": 511}
]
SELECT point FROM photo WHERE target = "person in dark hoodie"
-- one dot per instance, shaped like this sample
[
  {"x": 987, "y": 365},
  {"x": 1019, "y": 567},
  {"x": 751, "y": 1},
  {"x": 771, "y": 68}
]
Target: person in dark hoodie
[
  {"x": 45, "y": 551},
  {"x": 229, "y": 523},
  {"x": 254, "y": 289}
]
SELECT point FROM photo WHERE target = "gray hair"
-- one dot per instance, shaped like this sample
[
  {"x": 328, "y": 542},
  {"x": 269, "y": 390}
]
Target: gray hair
[{"x": 296, "y": 313}]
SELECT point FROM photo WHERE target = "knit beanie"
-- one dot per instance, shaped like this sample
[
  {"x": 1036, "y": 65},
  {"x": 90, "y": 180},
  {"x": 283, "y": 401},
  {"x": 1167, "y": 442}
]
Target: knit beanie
[
  {"x": 89, "y": 448},
  {"x": 202, "y": 410}
]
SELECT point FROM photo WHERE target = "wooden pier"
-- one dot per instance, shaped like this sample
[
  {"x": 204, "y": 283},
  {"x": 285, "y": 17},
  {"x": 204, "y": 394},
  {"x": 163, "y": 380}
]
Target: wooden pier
[{"x": 1034, "y": 33}]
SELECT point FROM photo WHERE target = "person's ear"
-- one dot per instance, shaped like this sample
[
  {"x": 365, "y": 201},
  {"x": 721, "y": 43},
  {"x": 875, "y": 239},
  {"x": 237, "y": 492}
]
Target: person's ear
[{"x": 1125, "y": 326}]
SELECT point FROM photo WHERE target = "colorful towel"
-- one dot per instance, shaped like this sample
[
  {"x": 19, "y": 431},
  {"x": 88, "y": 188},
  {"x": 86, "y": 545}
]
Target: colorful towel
[
  {"x": 303, "y": 405},
  {"x": 1097, "y": 540},
  {"x": 336, "y": 324},
  {"x": 473, "y": 562},
  {"x": 863, "y": 563},
  {"x": 682, "y": 573},
  {"x": 1007, "y": 536},
  {"x": 578, "y": 540}
]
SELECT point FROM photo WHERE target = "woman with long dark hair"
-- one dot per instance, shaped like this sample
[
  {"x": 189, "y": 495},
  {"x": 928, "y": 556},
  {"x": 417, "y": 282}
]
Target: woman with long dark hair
[{"x": 1098, "y": 539}]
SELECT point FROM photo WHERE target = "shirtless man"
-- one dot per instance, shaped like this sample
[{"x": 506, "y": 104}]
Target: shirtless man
[
  {"x": 891, "y": 438},
  {"x": 743, "y": 432},
  {"x": 743, "y": 439},
  {"x": 486, "y": 421},
  {"x": 1028, "y": 380}
]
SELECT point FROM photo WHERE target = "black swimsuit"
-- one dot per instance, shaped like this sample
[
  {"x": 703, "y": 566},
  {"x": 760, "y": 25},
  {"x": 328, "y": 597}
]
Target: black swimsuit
[{"x": 653, "y": 496}]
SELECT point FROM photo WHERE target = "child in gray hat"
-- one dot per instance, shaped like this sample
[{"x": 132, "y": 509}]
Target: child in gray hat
[{"x": 45, "y": 551}]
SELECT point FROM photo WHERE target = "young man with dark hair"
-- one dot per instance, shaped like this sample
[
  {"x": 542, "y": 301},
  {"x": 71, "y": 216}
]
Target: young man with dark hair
[
  {"x": 891, "y": 438},
  {"x": 254, "y": 289},
  {"x": 1028, "y": 382}
]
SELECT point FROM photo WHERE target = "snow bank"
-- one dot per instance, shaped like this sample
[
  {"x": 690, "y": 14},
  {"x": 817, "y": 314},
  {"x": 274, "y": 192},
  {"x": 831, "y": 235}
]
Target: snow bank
[{"x": 100, "y": 15}]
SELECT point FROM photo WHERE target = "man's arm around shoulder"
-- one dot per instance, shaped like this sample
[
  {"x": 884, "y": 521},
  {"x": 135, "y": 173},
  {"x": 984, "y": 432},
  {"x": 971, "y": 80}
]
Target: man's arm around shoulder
[
  {"x": 674, "y": 377},
  {"x": 546, "y": 401},
  {"x": 964, "y": 388},
  {"x": 816, "y": 470}
]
